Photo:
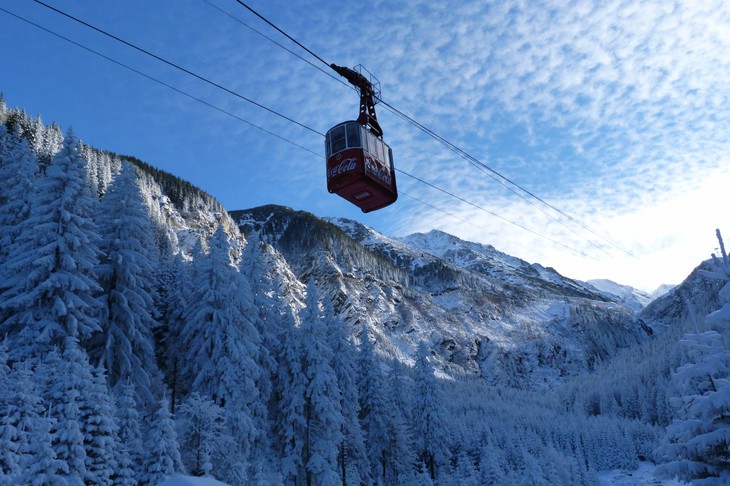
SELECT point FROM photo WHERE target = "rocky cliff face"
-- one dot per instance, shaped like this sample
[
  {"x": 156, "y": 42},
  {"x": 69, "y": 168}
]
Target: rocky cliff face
[{"x": 482, "y": 312}]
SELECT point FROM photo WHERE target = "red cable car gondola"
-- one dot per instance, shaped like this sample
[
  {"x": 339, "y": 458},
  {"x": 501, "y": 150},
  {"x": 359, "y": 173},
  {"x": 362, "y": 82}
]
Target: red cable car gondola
[{"x": 359, "y": 164}]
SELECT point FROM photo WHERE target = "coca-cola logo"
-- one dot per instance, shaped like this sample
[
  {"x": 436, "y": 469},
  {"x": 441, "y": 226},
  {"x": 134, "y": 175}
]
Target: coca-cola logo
[
  {"x": 378, "y": 170},
  {"x": 347, "y": 165}
]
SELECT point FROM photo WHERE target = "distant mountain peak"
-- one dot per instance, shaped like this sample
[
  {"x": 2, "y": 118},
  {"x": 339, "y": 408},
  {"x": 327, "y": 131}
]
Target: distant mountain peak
[{"x": 629, "y": 296}]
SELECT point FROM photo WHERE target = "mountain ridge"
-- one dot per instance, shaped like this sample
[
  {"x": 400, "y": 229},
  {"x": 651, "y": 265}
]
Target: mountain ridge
[{"x": 482, "y": 311}]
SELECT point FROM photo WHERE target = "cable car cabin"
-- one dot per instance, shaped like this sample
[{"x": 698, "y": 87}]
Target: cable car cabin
[{"x": 360, "y": 167}]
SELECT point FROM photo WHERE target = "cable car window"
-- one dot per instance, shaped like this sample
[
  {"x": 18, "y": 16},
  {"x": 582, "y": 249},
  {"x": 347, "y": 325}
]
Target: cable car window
[
  {"x": 353, "y": 135},
  {"x": 372, "y": 144},
  {"x": 379, "y": 147},
  {"x": 338, "y": 139},
  {"x": 327, "y": 150}
]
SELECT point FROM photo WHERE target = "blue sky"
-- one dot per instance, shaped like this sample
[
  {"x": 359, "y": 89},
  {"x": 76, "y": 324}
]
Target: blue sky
[{"x": 615, "y": 112}]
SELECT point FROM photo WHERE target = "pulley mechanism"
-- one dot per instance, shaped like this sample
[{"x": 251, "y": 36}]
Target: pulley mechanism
[{"x": 369, "y": 88}]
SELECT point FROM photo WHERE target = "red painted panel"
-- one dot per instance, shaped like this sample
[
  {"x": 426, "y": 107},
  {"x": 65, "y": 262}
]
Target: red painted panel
[{"x": 360, "y": 179}]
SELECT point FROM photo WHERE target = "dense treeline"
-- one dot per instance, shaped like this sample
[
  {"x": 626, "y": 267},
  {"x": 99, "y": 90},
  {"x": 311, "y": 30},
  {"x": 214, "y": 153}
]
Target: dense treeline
[{"x": 125, "y": 360}]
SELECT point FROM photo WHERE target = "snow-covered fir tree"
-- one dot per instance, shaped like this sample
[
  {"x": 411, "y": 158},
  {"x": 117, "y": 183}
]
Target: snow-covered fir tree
[
  {"x": 51, "y": 287},
  {"x": 697, "y": 445},
  {"x": 352, "y": 461},
  {"x": 18, "y": 176},
  {"x": 101, "y": 440},
  {"x": 162, "y": 451},
  {"x": 374, "y": 412},
  {"x": 129, "y": 453},
  {"x": 125, "y": 344},
  {"x": 322, "y": 398},
  {"x": 221, "y": 342},
  {"x": 289, "y": 404},
  {"x": 67, "y": 374},
  {"x": 429, "y": 423}
]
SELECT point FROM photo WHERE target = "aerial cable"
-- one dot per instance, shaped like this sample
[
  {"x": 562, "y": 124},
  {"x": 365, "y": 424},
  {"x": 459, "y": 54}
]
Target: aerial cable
[
  {"x": 278, "y": 44},
  {"x": 480, "y": 227},
  {"x": 473, "y": 160},
  {"x": 515, "y": 223},
  {"x": 178, "y": 67},
  {"x": 500, "y": 179},
  {"x": 243, "y": 4},
  {"x": 160, "y": 82},
  {"x": 278, "y": 136}
]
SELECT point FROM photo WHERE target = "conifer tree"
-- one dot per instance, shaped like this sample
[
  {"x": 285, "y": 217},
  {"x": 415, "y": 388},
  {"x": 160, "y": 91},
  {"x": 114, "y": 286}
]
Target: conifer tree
[
  {"x": 39, "y": 466},
  {"x": 352, "y": 458},
  {"x": 162, "y": 449},
  {"x": 50, "y": 291},
  {"x": 427, "y": 418},
  {"x": 374, "y": 411},
  {"x": 270, "y": 318},
  {"x": 125, "y": 344},
  {"x": 101, "y": 440},
  {"x": 322, "y": 404},
  {"x": 18, "y": 169},
  {"x": 130, "y": 454},
  {"x": 399, "y": 419},
  {"x": 221, "y": 342},
  {"x": 697, "y": 442},
  {"x": 29, "y": 429},
  {"x": 9, "y": 443},
  {"x": 290, "y": 401},
  {"x": 179, "y": 295},
  {"x": 67, "y": 373}
]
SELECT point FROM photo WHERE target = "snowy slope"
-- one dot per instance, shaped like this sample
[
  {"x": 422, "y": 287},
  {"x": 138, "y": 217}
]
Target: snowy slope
[
  {"x": 629, "y": 296},
  {"x": 481, "y": 311}
]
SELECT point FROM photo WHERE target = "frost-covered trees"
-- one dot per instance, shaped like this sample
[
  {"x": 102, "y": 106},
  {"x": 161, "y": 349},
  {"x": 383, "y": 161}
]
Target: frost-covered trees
[
  {"x": 374, "y": 411},
  {"x": 322, "y": 398},
  {"x": 125, "y": 345},
  {"x": 50, "y": 294},
  {"x": 697, "y": 444},
  {"x": 308, "y": 400},
  {"x": 162, "y": 452},
  {"x": 18, "y": 170},
  {"x": 204, "y": 441},
  {"x": 697, "y": 440},
  {"x": 352, "y": 461},
  {"x": 289, "y": 404},
  {"x": 129, "y": 451},
  {"x": 428, "y": 421},
  {"x": 221, "y": 342}
]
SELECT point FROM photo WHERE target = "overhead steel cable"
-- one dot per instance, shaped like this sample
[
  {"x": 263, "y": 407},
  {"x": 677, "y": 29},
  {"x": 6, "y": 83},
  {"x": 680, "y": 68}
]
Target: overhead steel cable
[
  {"x": 519, "y": 225},
  {"x": 160, "y": 82},
  {"x": 496, "y": 175},
  {"x": 480, "y": 227},
  {"x": 176, "y": 66},
  {"x": 278, "y": 44},
  {"x": 243, "y": 4},
  {"x": 502, "y": 179},
  {"x": 267, "y": 109}
]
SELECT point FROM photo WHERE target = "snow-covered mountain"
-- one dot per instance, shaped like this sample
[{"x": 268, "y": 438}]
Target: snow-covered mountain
[
  {"x": 661, "y": 290},
  {"x": 482, "y": 312},
  {"x": 633, "y": 298},
  {"x": 152, "y": 337}
]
